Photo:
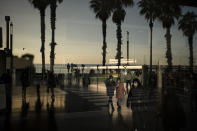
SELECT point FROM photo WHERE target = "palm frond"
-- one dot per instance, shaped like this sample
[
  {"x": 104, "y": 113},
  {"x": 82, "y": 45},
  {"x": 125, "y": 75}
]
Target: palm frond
[
  {"x": 101, "y": 8},
  {"x": 188, "y": 24},
  {"x": 149, "y": 8},
  {"x": 118, "y": 16},
  {"x": 169, "y": 11},
  {"x": 40, "y": 4}
]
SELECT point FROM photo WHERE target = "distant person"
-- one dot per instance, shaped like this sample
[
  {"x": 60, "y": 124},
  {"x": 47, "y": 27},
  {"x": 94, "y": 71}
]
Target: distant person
[
  {"x": 110, "y": 85},
  {"x": 72, "y": 67},
  {"x": 77, "y": 76},
  {"x": 51, "y": 83},
  {"x": 120, "y": 91},
  {"x": 68, "y": 68},
  {"x": 86, "y": 80},
  {"x": 25, "y": 83},
  {"x": 69, "y": 79},
  {"x": 128, "y": 81},
  {"x": 38, "y": 104},
  {"x": 83, "y": 67}
]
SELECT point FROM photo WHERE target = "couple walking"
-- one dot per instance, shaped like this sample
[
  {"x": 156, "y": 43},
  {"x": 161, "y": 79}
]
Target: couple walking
[{"x": 111, "y": 86}]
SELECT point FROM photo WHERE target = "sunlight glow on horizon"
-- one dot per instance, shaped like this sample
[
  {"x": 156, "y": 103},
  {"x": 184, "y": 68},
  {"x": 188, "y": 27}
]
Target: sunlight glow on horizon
[{"x": 79, "y": 35}]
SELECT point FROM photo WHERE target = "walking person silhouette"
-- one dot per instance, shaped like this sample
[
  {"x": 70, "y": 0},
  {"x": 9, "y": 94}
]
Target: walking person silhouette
[
  {"x": 120, "y": 91},
  {"x": 110, "y": 85}
]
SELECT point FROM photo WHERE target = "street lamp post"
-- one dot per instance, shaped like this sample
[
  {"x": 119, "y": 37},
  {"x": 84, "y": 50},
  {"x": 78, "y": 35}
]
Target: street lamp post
[
  {"x": 127, "y": 48},
  {"x": 8, "y": 86},
  {"x": 151, "y": 32},
  {"x": 97, "y": 76},
  {"x": 7, "y": 19},
  {"x": 1, "y": 37},
  {"x": 11, "y": 48}
]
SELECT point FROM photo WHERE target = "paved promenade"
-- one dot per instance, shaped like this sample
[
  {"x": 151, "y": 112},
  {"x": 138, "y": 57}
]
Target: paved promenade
[{"x": 79, "y": 109}]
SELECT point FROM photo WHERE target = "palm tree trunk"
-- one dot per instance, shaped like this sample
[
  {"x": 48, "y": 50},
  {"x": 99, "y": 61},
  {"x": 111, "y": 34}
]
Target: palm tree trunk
[
  {"x": 104, "y": 27},
  {"x": 119, "y": 37},
  {"x": 53, "y": 19},
  {"x": 168, "y": 52},
  {"x": 191, "y": 58},
  {"x": 42, "y": 50},
  {"x": 151, "y": 33}
]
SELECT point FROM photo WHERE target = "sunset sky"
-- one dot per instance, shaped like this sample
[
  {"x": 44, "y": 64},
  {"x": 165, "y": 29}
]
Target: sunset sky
[{"x": 79, "y": 34}]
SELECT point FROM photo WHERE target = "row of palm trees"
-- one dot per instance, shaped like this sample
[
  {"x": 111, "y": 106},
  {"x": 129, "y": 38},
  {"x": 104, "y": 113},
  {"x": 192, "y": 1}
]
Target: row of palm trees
[
  {"x": 41, "y": 5},
  {"x": 103, "y": 10},
  {"x": 188, "y": 25},
  {"x": 165, "y": 11}
]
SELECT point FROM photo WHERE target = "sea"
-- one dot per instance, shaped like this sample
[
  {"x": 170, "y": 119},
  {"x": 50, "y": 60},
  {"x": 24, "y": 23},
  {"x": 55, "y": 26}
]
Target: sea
[{"x": 61, "y": 68}]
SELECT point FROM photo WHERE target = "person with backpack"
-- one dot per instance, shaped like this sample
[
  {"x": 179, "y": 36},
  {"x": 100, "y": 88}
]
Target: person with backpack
[
  {"x": 110, "y": 85},
  {"x": 128, "y": 81}
]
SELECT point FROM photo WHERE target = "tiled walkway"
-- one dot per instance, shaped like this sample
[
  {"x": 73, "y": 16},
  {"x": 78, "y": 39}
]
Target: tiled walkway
[{"x": 78, "y": 109}]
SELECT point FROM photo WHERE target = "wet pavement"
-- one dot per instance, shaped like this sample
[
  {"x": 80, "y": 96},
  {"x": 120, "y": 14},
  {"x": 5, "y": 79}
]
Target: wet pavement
[{"x": 81, "y": 109}]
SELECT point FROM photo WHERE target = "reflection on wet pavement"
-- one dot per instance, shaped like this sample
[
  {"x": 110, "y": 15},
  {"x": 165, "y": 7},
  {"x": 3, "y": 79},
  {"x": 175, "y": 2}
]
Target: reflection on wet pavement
[
  {"x": 32, "y": 99},
  {"x": 74, "y": 108}
]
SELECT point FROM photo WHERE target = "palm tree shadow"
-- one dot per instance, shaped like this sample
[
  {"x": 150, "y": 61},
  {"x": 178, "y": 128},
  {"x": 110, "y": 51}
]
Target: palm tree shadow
[
  {"x": 24, "y": 114},
  {"x": 110, "y": 114},
  {"x": 52, "y": 125}
]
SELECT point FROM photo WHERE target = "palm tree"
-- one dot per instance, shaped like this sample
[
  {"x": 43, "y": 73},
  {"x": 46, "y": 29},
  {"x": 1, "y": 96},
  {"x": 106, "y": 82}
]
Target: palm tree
[
  {"x": 169, "y": 11},
  {"x": 188, "y": 24},
  {"x": 41, "y": 5},
  {"x": 149, "y": 9},
  {"x": 53, "y": 6},
  {"x": 118, "y": 17},
  {"x": 102, "y": 9}
]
